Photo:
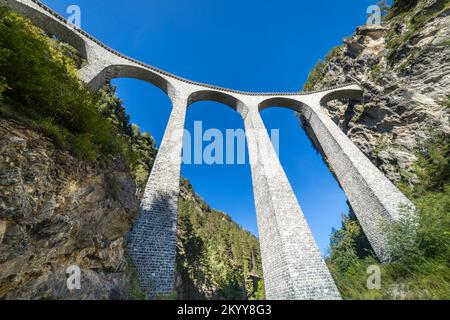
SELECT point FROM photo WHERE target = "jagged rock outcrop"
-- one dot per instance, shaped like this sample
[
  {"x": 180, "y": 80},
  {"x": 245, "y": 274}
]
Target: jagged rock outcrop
[
  {"x": 57, "y": 210},
  {"x": 404, "y": 68}
]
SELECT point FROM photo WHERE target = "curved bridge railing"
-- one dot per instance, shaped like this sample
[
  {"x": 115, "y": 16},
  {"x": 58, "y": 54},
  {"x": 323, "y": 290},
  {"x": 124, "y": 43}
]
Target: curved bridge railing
[{"x": 170, "y": 75}]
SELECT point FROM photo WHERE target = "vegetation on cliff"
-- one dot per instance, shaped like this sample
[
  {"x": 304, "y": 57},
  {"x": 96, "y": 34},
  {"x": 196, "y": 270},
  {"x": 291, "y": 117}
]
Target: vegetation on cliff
[
  {"x": 421, "y": 266},
  {"x": 316, "y": 75},
  {"x": 420, "y": 269},
  {"x": 39, "y": 86}
]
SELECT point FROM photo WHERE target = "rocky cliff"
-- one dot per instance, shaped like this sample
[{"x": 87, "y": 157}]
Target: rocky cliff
[
  {"x": 58, "y": 210},
  {"x": 402, "y": 126},
  {"x": 403, "y": 67}
]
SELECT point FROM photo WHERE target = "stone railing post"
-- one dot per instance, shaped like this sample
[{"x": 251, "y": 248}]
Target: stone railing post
[
  {"x": 374, "y": 198},
  {"x": 152, "y": 240},
  {"x": 292, "y": 264}
]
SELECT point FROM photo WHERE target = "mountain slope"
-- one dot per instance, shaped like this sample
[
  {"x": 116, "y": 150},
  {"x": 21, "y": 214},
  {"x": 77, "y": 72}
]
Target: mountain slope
[{"x": 403, "y": 67}]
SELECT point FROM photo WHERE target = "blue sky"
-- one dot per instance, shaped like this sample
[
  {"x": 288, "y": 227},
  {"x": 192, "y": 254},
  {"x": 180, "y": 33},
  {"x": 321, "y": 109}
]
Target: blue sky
[{"x": 250, "y": 45}]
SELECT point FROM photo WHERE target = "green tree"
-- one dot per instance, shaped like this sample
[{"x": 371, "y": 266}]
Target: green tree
[{"x": 40, "y": 87}]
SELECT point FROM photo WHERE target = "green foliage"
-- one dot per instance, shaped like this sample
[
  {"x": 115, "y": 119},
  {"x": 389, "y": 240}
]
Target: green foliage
[
  {"x": 3, "y": 87},
  {"x": 84, "y": 147},
  {"x": 343, "y": 245},
  {"x": 419, "y": 242},
  {"x": 402, "y": 240},
  {"x": 39, "y": 86},
  {"x": 433, "y": 233},
  {"x": 134, "y": 290},
  {"x": 415, "y": 20},
  {"x": 139, "y": 148},
  {"x": 432, "y": 167},
  {"x": 216, "y": 258},
  {"x": 401, "y": 6},
  {"x": 171, "y": 296},
  {"x": 317, "y": 74},
  {"x": 348, "y": 244},
  {"x": 259, "y": 293},
  {"x": 375, "y": 70},
  {"x": 351, "y": 283}
]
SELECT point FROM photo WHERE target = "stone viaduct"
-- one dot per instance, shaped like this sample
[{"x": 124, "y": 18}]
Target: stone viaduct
[{"x": 292, "y": 264}]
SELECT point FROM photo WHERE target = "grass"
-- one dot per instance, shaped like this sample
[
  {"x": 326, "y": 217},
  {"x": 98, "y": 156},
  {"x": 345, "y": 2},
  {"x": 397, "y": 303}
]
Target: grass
[
  {"x": 420, "y": 242},
  {"x": 134, "y": 291},
  {"x": 415, "y": 23}
]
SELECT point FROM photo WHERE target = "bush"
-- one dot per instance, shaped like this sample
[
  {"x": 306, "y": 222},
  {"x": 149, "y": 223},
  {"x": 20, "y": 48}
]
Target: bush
[
  {"x": 39, "y": 86},
  {"x": 317, "y": 74},
  {"x": 419, "y": 242},
  {"x": 85, "y": 148},
  {"x": 401, "y": 6},
  {"x": 403, "y": 239}
]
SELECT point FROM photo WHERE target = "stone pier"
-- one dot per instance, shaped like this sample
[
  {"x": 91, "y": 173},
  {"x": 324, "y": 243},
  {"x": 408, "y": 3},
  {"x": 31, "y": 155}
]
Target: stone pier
[
  {"x": 373, "y": 197},
  {"x": 292, "y": 264},
  {"x": 152, "y": 240}
]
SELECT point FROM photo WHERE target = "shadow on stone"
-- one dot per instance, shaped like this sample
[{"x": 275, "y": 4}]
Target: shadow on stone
[{"x": 152, "y": 243}]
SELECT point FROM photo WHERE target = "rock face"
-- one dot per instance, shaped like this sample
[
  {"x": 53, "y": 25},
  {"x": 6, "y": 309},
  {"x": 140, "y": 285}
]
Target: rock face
[
  {"x": 56, "y": 211},
  {"x": 404, "y": 69}
]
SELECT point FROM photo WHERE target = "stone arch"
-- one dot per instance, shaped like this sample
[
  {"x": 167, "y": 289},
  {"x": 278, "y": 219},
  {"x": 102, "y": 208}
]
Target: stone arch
[
  {"x": 221, "y": 97},
  {"x": 134, "y": 72},
  {"x": 225, "y": 102},
  {"x": 352, "y": 93},
  {"x": 283, "y": 102},
  {"x": 51, "y": 25}
]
